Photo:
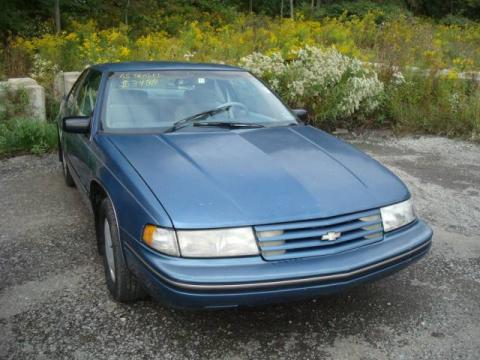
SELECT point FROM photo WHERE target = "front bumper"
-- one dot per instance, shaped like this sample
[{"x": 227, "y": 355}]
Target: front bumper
[{"x": 218, "y": 283}]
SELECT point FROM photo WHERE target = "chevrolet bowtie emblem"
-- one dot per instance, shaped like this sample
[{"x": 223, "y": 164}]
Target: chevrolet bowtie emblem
[{"x": 332, "y": 235}]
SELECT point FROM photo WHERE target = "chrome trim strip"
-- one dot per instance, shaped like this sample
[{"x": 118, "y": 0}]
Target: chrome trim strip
[
  {"x": 246, "y": 286},
  {"x": 318, "y": 223}
]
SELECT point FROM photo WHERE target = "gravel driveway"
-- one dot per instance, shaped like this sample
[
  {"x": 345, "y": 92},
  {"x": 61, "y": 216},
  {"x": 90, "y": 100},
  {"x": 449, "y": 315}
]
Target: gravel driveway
[{"x": 54, "y": 304}]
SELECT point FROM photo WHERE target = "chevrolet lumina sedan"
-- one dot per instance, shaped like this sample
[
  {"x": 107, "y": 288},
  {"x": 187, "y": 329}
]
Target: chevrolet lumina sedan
[{"x": 209, "y": 192}]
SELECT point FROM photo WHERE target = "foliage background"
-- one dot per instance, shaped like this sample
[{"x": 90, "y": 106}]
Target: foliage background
[{"x": 411, "y": 40}]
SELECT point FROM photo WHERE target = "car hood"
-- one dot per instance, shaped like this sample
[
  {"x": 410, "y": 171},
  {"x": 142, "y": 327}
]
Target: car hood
[{"x": 208, "y": 179}]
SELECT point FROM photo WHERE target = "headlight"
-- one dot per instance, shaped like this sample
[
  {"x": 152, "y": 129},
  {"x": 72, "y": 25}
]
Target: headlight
[
  {"x": 397, "y": 215},
  {"x": 217, "y": 243},
  {"x": 201, "y": 243},
  {"x": 161, "y": 239}
]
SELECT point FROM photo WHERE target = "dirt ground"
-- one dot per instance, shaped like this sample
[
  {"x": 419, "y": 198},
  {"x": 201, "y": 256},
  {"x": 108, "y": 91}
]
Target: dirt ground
[{"x": 54, "y": 303}]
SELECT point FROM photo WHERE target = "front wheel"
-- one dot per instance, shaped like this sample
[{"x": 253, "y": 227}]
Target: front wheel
[{"x": 121, "y": 283}]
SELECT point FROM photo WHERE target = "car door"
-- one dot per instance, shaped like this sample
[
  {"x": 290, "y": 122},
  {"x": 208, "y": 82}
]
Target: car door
[{"x": 81, "y": 102}]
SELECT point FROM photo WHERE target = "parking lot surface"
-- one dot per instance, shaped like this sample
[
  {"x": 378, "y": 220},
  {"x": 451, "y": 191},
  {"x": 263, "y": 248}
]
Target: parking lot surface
[{"x": 54, "y": 303}]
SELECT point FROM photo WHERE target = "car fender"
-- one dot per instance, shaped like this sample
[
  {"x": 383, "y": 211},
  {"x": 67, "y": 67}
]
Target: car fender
[{"x": 133, "y": 202}]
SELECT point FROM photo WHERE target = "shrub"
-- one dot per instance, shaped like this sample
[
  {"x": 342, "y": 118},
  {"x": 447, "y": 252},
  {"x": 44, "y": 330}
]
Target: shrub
[
  {"x": 14, "y": 103},
  {"x": 26, "y": 135},
  {"x": 436, "y": 105},
  {"x": 334, "y": 86},
  {"x": 20, "y": 133},
  {"x": 383, "y": 11}
]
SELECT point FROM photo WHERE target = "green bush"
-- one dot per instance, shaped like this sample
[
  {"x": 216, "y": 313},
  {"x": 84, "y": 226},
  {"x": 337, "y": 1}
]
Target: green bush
[
  {"x": 19, "y": 133},
  {"x": 336, "y": 88},
  {"x": 383, "y": 11},
  {"x": 14, "y": 103},
  {"x": 456, "y": 20},
  {"x": 26, "y": 135},
  {"x": 435, "y": 105}
]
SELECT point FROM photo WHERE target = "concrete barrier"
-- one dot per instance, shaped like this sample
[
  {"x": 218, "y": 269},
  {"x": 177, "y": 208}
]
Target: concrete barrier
[
  {"x": 35, "y": 92},
  {"x": 63, "y": 83}
]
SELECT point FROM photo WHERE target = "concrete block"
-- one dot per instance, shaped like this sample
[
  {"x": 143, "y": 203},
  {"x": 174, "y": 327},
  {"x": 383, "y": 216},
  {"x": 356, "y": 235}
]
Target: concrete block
[
  {"x": 16, "y": 83},
  {"x": 63, "y": 83},
  {"x": 36, "y": 99},
  {"x": 35, "y": 92}
]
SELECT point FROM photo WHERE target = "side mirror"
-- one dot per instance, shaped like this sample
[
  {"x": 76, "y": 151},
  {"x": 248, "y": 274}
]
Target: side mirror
[
  {"x": 302, "y": 114},
  {"x": 76, "y": 124}
]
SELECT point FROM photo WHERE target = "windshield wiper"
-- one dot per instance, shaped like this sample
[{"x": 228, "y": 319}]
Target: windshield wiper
[
  {"x": 201, "y": 115},
  {"x": 228, "y": 124}
]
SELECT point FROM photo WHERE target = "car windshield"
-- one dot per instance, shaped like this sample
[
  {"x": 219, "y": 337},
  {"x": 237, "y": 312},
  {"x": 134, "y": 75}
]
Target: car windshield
[{"x": 156, "y": 100}]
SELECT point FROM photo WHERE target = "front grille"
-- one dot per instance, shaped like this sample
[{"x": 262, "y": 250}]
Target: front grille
[{"x": 304, "y": 238}]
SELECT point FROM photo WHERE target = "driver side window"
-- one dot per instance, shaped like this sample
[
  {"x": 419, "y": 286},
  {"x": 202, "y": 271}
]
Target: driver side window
[{"x": 82, "y": 100}]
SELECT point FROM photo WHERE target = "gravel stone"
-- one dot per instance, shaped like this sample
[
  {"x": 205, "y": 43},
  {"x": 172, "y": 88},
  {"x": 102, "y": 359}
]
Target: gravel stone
[{"x": 54, "y": 303}]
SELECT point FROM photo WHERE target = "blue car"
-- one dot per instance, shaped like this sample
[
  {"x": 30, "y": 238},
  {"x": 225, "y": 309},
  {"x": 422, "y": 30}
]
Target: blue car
[{"x": 209, "y": 192}]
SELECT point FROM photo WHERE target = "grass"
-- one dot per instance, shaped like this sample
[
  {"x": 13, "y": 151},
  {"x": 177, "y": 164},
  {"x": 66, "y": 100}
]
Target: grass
[
  {"x": 22, "y": 135},
  {"x": 19, "y": 132},
  {"x": 435, "y": 105}
]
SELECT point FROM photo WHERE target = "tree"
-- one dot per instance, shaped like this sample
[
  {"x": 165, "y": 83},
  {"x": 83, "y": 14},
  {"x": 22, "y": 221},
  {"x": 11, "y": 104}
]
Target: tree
[
  {"x": 58, "y": 26},
  {"x": 440, "y": 8}
]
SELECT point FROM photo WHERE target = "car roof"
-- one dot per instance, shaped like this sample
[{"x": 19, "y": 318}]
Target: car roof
[{"x": 161, "y": 65}]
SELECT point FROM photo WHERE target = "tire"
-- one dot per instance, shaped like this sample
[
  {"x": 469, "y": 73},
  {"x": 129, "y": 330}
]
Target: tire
[
  {"x": 66, "y": 171},
  {"x": 121, "y": 283}
]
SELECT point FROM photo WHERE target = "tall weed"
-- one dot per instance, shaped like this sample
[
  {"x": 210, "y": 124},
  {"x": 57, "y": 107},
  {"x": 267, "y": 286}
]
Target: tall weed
[
  {"x": 436, "y": 105},
  {"x": 25, "y": 135}
]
